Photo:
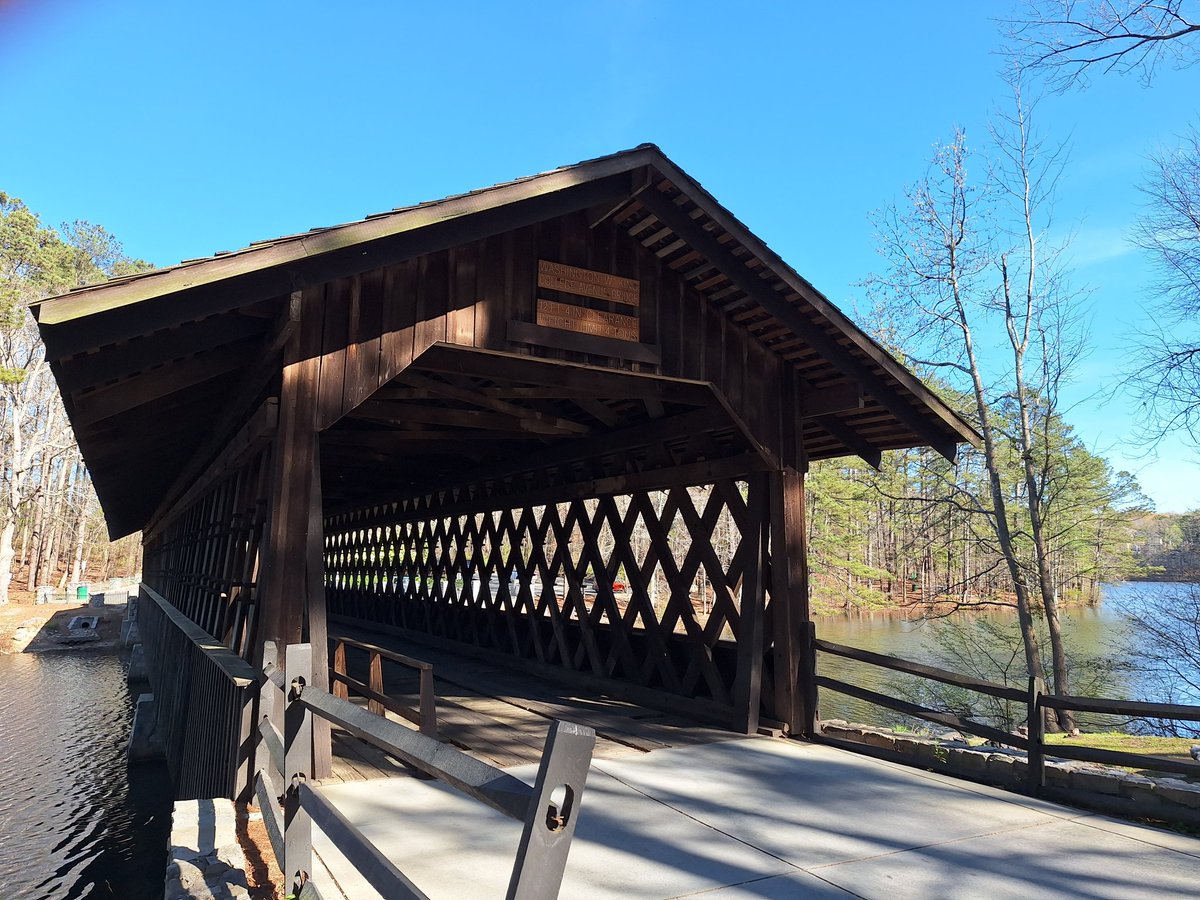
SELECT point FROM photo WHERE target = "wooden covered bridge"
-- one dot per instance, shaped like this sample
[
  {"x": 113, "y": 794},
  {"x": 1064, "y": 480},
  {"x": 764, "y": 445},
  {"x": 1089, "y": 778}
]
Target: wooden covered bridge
[{"x": 507, "y": 424}]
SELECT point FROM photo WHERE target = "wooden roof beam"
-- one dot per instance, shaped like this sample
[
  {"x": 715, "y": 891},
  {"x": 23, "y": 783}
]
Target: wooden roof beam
[
  {"x": 852, "y": 440},
  {"x": 393, "y": 412},
  {"x": 669, "y": 213},
  {"x": 573, "y": 379},
  {"x": 838, "y": 399},
  {"x": 537, "y": 422},
  {"x": 637, "y": 436},
  {"x": 236, "y": 407},
  {"x": 107, "y": 402},
  {"x": 140, "y": 354}
]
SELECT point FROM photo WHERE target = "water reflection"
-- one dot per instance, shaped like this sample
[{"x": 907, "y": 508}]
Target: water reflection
[{"x": 1092, "y": 632}]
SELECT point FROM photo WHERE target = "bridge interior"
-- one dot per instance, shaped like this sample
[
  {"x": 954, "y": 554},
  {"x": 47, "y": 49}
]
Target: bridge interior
[{"x": 500, "y": 714}]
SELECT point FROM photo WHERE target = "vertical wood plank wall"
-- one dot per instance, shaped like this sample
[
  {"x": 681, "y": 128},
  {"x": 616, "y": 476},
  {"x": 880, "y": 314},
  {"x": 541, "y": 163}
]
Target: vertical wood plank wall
[
  {"x": 372, "y": 326},
  {"x": 205, "y": 561}
]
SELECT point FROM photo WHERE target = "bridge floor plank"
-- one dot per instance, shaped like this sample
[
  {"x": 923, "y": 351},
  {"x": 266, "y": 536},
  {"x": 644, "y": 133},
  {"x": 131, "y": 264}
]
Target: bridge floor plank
[{"x": 502, "y": 715}]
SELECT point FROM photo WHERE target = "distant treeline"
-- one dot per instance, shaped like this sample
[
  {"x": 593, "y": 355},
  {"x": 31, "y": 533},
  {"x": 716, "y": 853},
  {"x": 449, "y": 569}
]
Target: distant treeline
[
  {"x": 920, "y": 531},
  {"x": 1167, "y": 547}
]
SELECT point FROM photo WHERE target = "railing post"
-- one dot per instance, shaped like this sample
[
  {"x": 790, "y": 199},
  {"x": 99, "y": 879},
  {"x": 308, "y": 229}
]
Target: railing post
[
  {"x": 553, "y": 811},
  {"x": 269, "y": 708},
  {"x": 1035, "y": 757},
  {"x": 811, "y": 722},
  {"x": 247, "y": 749},
  {"x": 428, "y": 708},
  {"x": 339, "y": 667},
  {"x": 376, "y": 684},
  {"x": 297, "y": 746}
]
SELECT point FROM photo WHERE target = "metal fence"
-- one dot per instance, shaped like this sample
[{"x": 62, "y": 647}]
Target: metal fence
[{"x": 292, "y": 805}]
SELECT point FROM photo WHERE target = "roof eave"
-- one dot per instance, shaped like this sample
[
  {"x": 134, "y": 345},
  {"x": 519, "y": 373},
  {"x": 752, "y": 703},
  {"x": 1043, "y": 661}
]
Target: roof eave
[{"x": 104, "y": 297}]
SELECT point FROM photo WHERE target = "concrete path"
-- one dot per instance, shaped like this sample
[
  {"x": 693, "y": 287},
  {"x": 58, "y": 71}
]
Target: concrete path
[{"x": 766, "y": 818}]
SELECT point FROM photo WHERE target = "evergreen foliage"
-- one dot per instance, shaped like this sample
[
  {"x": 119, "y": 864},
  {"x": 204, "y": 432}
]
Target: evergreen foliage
[{"x": 49, "y": 518}]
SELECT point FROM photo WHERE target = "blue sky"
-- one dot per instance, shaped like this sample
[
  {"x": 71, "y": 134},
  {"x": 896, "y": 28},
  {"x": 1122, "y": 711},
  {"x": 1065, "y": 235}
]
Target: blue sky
[{"x": 191, "y": 128}]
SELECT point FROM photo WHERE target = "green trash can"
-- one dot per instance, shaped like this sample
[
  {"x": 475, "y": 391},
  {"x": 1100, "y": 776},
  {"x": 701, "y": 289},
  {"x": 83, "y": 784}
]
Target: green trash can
[{"x": 81, "y": 593}]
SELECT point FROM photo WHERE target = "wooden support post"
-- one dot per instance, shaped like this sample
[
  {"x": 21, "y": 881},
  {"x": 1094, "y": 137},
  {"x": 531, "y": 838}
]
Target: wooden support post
[
  {"x": 789, "y": 595},
  {"x": 428, "y": 709},
  {"x": 297, "y": 748},
  {"x": 339, "y": 667},
  {"x": 375, "y": 683},
  {"x": 810, "y": 711},
  {"x": 293, "y": 596},
  {"x": 1035, "y": 758},
  {"x": 317, "y": 630},
  {"x": 271, "y": 703},
  {"x": 247, "y": 756},
  {"x": 285, "y": 575},
  {"x": 747, "y": 686}
]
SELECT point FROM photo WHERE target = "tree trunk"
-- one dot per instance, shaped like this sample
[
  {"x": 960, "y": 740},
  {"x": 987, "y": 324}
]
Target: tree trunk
[{"x": 7, "y": 551}]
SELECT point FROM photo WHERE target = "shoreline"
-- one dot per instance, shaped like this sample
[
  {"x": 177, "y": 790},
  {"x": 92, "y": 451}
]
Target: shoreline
[{"x": 27, "y": 627}]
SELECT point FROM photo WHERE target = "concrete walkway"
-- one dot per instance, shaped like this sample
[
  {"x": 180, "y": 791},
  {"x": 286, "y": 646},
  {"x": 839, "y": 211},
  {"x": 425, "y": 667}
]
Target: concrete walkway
[{"x": 767, "y": 818}]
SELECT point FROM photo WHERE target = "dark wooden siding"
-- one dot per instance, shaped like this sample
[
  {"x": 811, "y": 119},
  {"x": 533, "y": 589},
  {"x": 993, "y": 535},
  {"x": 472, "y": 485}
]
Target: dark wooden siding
[{"x": 374, "y": 325}]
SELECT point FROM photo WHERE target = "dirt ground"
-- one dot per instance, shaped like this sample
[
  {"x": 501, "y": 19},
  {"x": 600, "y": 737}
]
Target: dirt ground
[
  {"x": 26, "y": 627},
  {"x": 262, "y": 873}
]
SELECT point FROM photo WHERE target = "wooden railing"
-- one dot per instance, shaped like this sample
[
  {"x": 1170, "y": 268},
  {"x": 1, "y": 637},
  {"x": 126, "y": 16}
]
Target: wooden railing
[
  {"x": 424, "y": 716},
  {"x": 1034, "y": 699},
  {"x": 204, "y": 693},
  {"x": 291, "y": 804}
]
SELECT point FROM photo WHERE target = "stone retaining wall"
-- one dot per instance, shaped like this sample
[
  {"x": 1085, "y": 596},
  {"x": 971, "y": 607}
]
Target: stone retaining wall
[
  {"x": 1113, "y": 790},
  {"x": 205, "y": 860}
]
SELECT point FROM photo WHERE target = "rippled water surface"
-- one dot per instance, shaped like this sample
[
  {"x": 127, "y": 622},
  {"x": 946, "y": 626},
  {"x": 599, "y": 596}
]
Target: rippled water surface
[{"x": 73, "y": 823}]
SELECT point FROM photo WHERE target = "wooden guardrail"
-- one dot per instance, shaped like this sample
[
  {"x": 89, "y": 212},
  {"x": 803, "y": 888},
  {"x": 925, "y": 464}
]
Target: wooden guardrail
[
  {"x": 291, "y": 804},
  {"x": 424, "y": 716},
  {"x": 1034, "y": 698},
  {"x": 205, "y": 694}
]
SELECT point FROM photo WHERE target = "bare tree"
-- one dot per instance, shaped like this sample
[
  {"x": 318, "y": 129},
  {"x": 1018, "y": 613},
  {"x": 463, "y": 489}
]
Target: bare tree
[
  {"x": 1035, "y": 309},
  {"x": 28, "y": 406},
  {"x": 1167, "y": 374},
  {"x": 1067, "y": 39},
  {"x": 1165, "y": 642},
  {"x": 940, "y": 260},
  {"x": 969, "y": 259}
]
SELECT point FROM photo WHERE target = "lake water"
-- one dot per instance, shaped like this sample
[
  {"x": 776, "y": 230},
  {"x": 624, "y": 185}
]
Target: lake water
[
  {"x": 72, "y": 823},
  {"x": 1095, "y": 632}
]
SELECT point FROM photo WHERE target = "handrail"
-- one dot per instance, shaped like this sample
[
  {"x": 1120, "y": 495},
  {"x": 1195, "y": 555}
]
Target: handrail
[
  {"x": 392, "y": 655},
  {"x": 1136, "y": 708},
  {"x": 950, "y": 720},
  {"x": 205, "y": 694},
  {"x": 289, "y": 695},
  {"x": 424, "y": 716},
  {"x": 231, "y": 665},
  {"x": 1035, "y": 699},
  {"x": 1003, "y": 691},
  {"x": 472, "y": 776}
]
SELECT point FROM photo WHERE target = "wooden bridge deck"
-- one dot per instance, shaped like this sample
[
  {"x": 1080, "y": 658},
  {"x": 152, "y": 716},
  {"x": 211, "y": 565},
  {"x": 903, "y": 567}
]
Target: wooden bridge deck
[{"x": 502, "y": 715}]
